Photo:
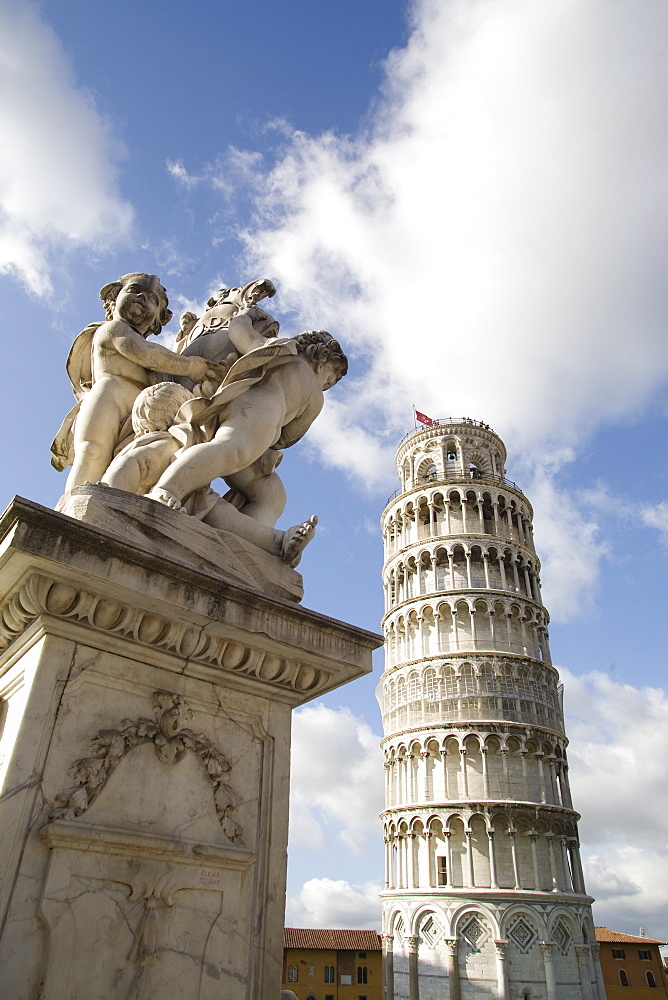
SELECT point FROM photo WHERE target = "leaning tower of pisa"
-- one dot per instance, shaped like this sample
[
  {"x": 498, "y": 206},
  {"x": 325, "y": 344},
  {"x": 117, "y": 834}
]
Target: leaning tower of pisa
[{"x": 484, "y": 893}]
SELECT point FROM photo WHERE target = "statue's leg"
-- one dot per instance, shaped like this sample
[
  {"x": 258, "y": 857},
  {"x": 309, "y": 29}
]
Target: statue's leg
[
  {"x": 228, "y": 518},
  {"x": 103, "y": 410},
  {"x": 266, "y": 496},
  {"x": 252, "y": 424},
  {"x": 288, "y": 544}
]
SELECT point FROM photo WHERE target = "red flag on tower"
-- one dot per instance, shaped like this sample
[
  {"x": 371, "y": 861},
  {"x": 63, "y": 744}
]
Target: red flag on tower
[{"x": 424, "y": 419}]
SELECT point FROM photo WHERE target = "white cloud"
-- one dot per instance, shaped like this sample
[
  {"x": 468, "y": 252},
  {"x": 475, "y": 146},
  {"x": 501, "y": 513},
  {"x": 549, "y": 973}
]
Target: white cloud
[
  {"x": 58, "y": 157},
  {"x": 324, "y": 902},
  {"x": 337, "y": 779},
  {"x": 619, "y": 745},
  {"x": 657, "y": 517},
  {"x": 491, "y": 244},
  {"x": 570, "y": 547}
]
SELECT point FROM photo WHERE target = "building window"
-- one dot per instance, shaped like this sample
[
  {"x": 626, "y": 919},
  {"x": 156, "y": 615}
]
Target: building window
[
  {"x": 361, "y": 974},
  {"x": 645, "y": 955},
  {"x": 651, "y": 981},
  {"x": 329, "y": 996},
  {"x": 293, "y": 974},
  {"x": 361, "y": 954},
  {"x": 329, "y": 973},
  {"x": 442, "y": 870},
  {"x": 623, "y": 978},
  {"x": 618, "y": 953}
]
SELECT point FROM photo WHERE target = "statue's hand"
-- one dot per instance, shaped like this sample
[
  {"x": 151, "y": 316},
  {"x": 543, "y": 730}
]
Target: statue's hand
[{"x": 200, "y": 369}]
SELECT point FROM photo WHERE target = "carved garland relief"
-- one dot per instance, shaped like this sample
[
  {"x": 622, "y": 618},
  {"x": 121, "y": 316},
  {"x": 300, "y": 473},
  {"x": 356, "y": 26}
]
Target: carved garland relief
[{"x": 171, "y": 740}]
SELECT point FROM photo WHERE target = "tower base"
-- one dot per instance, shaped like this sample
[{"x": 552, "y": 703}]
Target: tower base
[{"x": 145, "y": 765}]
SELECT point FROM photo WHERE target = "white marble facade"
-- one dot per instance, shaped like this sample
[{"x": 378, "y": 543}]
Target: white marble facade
[
  {"x": 145, "y": 765},
  {"x": 484, "y": 891}
]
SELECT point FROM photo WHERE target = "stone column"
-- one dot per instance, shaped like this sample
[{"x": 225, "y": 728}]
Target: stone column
[
  {"x": 388, "y": 967},
  {"x": 448, "y": 859},
  {"x": 553, "y": 868},
  {"x": 506, "y": 777},
  {"x": 533, "y": 836},
  {"x": 541, "y": 776},
  {"x": 565, "y": 786},
  {"x": 469, "y": 858},
  {"x": 584, "y": 962},
  {"x": 525, "y": 777},
  {"x": 464, "y": 773},
  {"x": 485, "y": 560},
  {"x": 527, "y": 581},
  {"x": 432, "y": 880},
  {"x": 468, "y": 569},
  {"x": 485, "y": 772},
  {"x": 568, "y": 880},
  {"x": 426, "y": 756},
  {"x": 453, "y": 969},
  {"x": 551, "y": 760},
  {"x": 501, "y": 975},
  {"x": 578, "y": 880},
  {"x": 413, "y": 983},
  {"x": 513, "y": 852},
  {"x": 516, "y": 578},
  {"x": 600, "y": 985},
  {"x": 502, "y": 569},
  {"x": 444, "y": 758},
  {"x": 474, "y": 631},
  {"x": 547, "y": 947},
  {"x": 492, "y": 861}
]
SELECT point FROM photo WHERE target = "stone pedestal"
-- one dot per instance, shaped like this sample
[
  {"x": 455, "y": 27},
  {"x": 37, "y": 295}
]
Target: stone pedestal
[{"x": 145, "y": 763}]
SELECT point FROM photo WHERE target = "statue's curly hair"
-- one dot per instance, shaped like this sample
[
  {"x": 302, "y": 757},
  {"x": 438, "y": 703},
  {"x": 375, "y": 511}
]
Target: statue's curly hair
[
  {"x": 109, "y": 294},
  {"x": 156, "y": 406},
  {"x": 318, "y": 346}
]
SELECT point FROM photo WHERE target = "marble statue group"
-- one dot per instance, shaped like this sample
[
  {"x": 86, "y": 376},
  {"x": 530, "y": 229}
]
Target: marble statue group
[{"x": 166, "y": 424}]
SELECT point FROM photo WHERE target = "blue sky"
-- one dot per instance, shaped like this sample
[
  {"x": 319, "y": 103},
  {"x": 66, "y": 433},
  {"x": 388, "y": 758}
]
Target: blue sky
[{"x": 472, "y": 197}]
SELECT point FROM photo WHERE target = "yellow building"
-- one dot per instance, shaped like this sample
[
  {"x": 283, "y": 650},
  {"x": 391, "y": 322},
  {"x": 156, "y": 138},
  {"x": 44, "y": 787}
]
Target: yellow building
[
  {"x": 332, "y": 964},
  {"x": 632, "y": 966}
]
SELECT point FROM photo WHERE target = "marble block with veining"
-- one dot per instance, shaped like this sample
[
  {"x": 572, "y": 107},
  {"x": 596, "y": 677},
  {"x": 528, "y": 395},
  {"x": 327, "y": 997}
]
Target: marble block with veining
[
  {"x": 154, "y": 528},
  {"x": 144, "y": 763}
]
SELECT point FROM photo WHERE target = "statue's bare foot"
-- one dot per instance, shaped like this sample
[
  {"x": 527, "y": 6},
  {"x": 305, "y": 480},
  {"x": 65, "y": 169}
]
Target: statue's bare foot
[
  {"x": 166, "y": 498},
  {"x": 296, "y": 539}
]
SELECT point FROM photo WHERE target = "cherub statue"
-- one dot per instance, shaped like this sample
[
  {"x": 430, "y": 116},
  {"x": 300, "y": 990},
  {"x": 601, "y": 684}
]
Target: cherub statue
[
  {"x": 160, "y": 437},
  {"x": 268, "y": 399},
  {"x": 109, "y": 365}
]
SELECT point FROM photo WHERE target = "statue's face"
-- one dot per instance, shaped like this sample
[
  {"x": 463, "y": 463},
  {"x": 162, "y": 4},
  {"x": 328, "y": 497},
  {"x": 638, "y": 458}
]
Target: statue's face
[
  {"x": 327, "y": 375},
  {"x": 263, "y": 323},
  {"x": 140, "y": 301}
]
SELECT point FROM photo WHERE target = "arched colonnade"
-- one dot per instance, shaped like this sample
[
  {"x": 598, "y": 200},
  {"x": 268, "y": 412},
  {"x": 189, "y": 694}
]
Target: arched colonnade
[{"x": 516, "y": 766}]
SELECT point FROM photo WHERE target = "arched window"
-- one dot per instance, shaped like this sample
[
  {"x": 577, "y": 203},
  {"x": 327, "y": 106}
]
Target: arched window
[
  {"x": 293, "y": 974},
  {"x": 651, "y": 981},
  {"x": 623, "y": 978},
  {"x": 361, "y": 973},
  {"x": 329, "y": 973}
]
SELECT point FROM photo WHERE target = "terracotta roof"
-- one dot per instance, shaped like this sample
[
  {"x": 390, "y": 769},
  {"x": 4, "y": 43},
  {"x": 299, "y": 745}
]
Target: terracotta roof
[
  {"x": 605, "y": 936},
  {"x": 331, "y": 940}
]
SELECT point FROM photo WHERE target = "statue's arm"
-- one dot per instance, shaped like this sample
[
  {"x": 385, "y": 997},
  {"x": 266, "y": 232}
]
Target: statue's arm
[
  {"x": 120, "y": 337},
  {"x": 243, "y": 335}
]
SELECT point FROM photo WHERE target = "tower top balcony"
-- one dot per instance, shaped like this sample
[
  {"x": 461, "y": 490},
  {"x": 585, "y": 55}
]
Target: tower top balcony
[{"x": 452, "y": 449}]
